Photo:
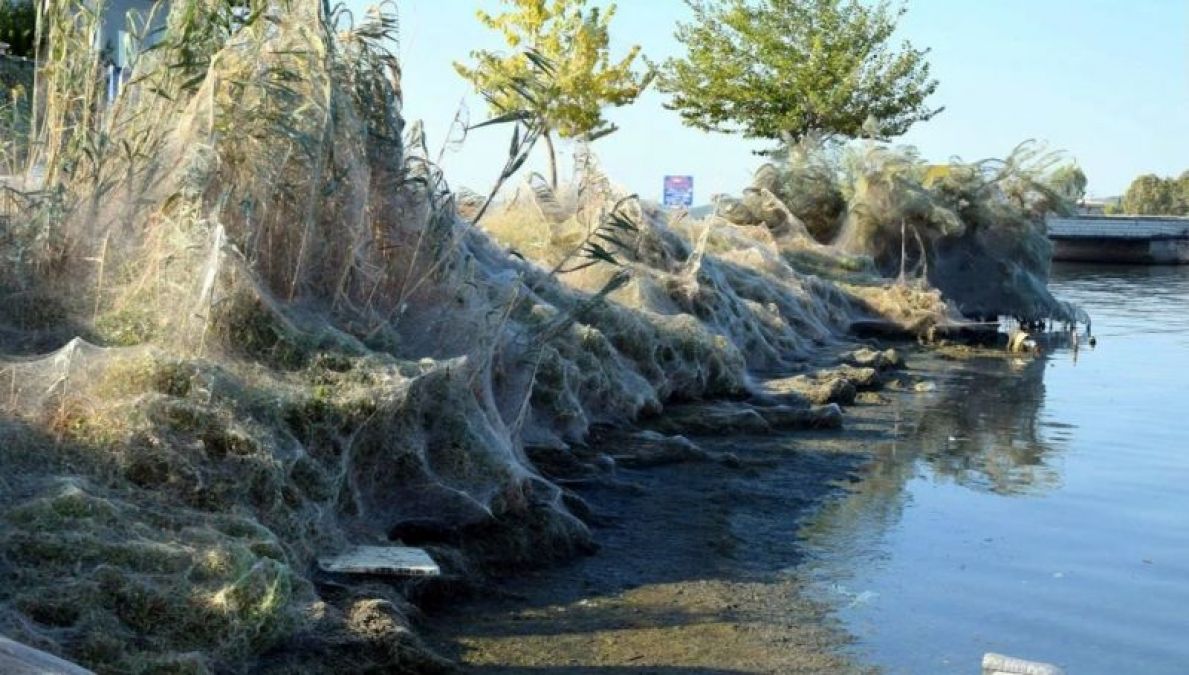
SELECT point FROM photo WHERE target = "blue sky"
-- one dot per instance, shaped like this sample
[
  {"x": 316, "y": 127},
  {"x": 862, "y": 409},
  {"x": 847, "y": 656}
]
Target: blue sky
[{"x": 1107, "y": 81}]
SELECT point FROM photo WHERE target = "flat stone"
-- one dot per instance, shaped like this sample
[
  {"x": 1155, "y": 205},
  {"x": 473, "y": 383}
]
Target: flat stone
[
  {"x": 18, "y": 659},
  {"x": 399, "y": 561}
]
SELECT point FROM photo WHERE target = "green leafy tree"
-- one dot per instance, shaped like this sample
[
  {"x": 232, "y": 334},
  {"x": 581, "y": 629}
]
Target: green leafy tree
[
  {"x": 785, "y": 69},
  {"x": 572, "y": 40},
  {"x": 18, "y": 26},
  {"x": 1181, "y": 190},
  {"x": 1151, "y": 195},
  {"x": 1069, "y": 182}
]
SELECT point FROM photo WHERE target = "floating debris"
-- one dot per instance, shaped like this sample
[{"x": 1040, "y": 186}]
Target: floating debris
[{"x": 998, "y": 664}]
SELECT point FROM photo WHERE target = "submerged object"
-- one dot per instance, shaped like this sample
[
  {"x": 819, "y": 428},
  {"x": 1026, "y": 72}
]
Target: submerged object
[
  {"x": 998, "y": 664},
  {"x": 399, "y": 561}
]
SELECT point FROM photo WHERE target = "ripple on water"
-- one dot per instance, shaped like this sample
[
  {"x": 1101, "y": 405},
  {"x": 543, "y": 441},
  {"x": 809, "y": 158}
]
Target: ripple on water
[{"x": 1038, "y": 511}]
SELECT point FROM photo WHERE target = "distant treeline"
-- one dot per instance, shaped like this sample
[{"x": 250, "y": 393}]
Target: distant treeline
[{"x": 1152, "y": 195}]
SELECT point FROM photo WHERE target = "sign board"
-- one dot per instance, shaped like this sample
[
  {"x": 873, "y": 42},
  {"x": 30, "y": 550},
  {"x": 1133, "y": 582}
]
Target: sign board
[{"x": 679, "y": 191}]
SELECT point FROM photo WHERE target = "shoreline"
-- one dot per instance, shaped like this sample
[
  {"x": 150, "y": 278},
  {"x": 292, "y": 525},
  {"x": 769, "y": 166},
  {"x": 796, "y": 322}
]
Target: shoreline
[{"x": 698, "y": 565}]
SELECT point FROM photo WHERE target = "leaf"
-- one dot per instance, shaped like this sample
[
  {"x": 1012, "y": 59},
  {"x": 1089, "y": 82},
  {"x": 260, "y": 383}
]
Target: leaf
[
  {"x": 543, "y": 64},
  {"x": 513, "y": 116},
  {"x": 515, "y": 145},
  {"x": 612, "y": 239},
  {"x": 600, "y": 133},
  {"x": 595, "y": 251},
  {"x": 619, "y": 222}
]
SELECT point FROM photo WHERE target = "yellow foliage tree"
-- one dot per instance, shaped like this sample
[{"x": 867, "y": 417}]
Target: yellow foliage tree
[{"x": 571, "y": 42}]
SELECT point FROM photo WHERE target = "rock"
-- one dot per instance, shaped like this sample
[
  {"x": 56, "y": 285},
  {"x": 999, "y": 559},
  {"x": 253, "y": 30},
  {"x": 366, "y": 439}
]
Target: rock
[
  {"x": 645, "y": 449},
  {"x": 817, "y": 389},
  {"x": 818, "y": 417},
  {"x": 578, "y": 506},
  {"x": 555, "y": 462},
  {"x": 722, "y": 419},
  {"x": 888, "y": 359},
  {"x": 881, "y": 328},
  {"x": 604, "y": 462},
  {"x": 712, "y": 419},
  {"x": 864, "y": 379},
  {"x": 924, "y": 387},
  {"x": 871, "y": 398}
]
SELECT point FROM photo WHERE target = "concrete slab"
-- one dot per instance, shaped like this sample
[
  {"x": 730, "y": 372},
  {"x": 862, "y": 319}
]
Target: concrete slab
[
  {"x": 399, "y": 561},
  {"x": 18, "y": 659}
]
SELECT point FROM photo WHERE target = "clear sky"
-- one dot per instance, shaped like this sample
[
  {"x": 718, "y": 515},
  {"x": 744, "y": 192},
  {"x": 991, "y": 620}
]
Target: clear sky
[{"x": 1107, "y": 81}]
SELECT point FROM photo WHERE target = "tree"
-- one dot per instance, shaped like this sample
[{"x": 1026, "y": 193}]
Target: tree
[
  {"x": 1069, "y": 182},
  {"x": 1181, "y": 193},
  {"x": 573, "y": 41},
  {"x": 18, "y": 26},
  {"x": 784, "y": 69},
  {"x": 1151, "y": 195}
]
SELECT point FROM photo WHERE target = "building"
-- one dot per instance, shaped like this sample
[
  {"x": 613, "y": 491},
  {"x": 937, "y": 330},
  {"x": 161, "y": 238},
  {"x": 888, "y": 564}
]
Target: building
[
  {"x": 119, "y": 42},
  {"x": 114, "y": 35},
  {"x": 1097, "y": 206}
]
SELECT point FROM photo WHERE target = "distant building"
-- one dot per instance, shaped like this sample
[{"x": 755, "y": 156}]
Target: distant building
[
  {"x": 114, "y": 36},
  {"x": 117, "y": 43},
  {"x": 1096, "y": 206}
]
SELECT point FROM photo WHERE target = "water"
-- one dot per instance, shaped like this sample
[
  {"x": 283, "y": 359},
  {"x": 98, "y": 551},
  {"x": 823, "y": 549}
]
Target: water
[{"x": 1038, "y": 509}]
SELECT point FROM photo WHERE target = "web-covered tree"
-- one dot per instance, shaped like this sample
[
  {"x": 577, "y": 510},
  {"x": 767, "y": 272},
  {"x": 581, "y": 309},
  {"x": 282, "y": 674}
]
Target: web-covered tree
[
  {"x": 572, "y": 41},
  {"x": 1069, "y": 182},
  {"x": 785, "y": 69}
]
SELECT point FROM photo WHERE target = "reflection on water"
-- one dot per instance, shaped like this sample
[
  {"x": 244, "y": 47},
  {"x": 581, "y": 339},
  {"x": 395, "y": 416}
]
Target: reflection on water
[
  {"x": 985, "y": 433},
  {"x": 1033, "y": 507}
]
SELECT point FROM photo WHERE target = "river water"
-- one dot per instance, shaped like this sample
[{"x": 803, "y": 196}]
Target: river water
[{"x": 1038, "y": 508}]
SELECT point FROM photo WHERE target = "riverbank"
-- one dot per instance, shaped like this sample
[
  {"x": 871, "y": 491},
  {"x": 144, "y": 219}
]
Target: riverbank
[
  {"x": 266, "y": 331},
  {"x": 699, "y": 566}
]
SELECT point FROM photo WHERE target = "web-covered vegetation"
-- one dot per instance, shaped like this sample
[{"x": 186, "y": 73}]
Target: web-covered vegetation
[
  {"x": 974, "y": 231},
  {"x": 245, "y": 322}
]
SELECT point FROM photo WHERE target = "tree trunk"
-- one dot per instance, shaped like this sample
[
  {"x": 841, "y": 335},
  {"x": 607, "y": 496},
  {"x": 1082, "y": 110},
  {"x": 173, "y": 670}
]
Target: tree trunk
[{"x": 552, "y": 160}]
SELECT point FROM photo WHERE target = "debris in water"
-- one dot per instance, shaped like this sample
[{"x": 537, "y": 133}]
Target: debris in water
[{"x": 998, "y": 664}]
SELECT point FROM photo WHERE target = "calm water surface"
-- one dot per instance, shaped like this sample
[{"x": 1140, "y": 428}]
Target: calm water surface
[{"x": 1036, "y": 508}]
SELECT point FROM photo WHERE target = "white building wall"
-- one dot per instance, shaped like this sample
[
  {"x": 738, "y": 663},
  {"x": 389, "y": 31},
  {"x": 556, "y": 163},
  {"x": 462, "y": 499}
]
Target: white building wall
[{"x": 115, "y": 20}]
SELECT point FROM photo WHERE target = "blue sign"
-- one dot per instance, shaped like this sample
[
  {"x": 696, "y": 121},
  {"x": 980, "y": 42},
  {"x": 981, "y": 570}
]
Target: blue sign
[{"x": 679, "y": 191}]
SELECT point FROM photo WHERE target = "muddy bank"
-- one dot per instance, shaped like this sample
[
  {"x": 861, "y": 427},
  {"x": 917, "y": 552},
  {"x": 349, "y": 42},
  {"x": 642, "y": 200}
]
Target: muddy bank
[{"x": 697, "y": 570}]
